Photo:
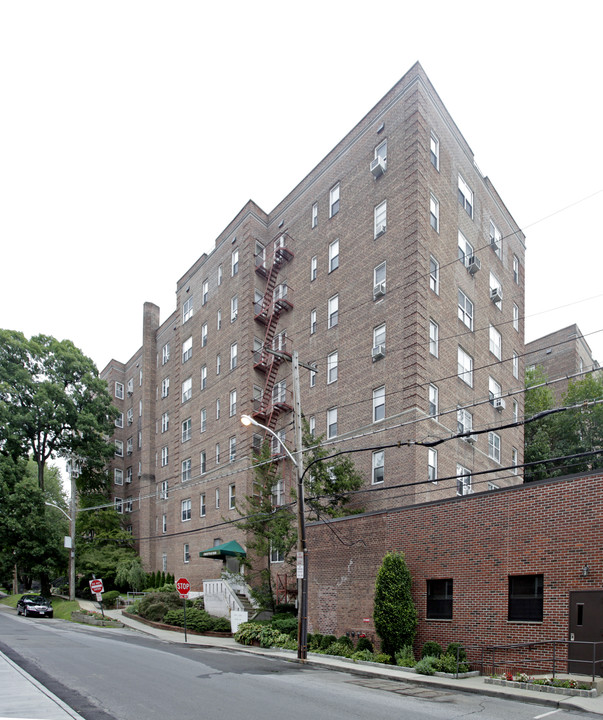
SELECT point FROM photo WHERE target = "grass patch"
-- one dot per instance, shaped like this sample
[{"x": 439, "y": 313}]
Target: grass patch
[{"x": 62, "y": 608}]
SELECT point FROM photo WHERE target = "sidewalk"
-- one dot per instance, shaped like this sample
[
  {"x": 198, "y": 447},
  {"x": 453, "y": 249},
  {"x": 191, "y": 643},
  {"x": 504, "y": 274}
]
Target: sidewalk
[{"x": 23, "y": 697}]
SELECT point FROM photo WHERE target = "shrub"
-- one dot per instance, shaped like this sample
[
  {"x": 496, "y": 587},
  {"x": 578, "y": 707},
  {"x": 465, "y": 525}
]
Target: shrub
[
  {"x": 383, "y": 658},
  {"x": 341, "y": 649},
  {"x": 346, "y": 640},
  {"x": 268, "y": 636},
  {"x": 109, "y": 598},
  {"x": 364, "y": 644},
  {"x": 431, "y": 648},
  {"x": 452, "y": 650},
  {"x": 314, "y": 642},
  {"x": 248, "y": 632},
  {"x": 394, "y": 613},
  {"x": 425, "y": 666},
  {"x": 326, "y": 641},
  {"x": 406, "y": 657},
  {"x": 196, "y": 620},
  {"x": 365, "y": 655},
  {"x": 156, "y": 612},
  {"x": 170, "y": 600},
  {"x": 221, "y": 624},
  {"x": 284, "y": 623}
]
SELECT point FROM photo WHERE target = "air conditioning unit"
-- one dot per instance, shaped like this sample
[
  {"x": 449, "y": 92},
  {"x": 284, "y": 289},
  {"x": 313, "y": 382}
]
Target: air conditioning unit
[
  {"x": 473, "y": 264},
  {"x": 129, "y": 452},
  {"x": 471, "y": 439},
  {"x": 379, "y": 230},
  {"x": 128, "y": 479},
  {"x": 379, "y": 290},
  {"x": 378, "y": 167},
  {"x": 496, "y": 294},
  {"x": 130, "y": 393},
  {"x": 499, "y": 403},
  {"x": 494, "y": 243},
  {"x": 378, "y": 352}
]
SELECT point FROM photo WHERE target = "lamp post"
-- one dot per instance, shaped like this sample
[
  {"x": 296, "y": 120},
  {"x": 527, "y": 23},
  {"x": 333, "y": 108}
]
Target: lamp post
[
  {"x": 71, "y": 519},
  {"x": 302, "y": 574}
]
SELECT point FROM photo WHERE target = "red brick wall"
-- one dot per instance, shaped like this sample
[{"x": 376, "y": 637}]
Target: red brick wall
[{"x": 553, "y": 527}]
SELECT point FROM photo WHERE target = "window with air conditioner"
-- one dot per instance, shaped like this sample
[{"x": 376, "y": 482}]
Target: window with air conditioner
[{"x": 380, "y": 219}]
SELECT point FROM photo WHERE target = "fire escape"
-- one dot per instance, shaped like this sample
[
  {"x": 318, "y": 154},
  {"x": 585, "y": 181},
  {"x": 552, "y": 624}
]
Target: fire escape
[{"x": 276, "y": 300}]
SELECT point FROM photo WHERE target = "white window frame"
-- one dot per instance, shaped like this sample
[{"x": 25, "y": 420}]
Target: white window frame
[
  {"x": 496, "y": 285},
  {"x": 380, "y": 219},
  {"x": 217, "y": 408},
  {"x": 433, "y": 400},
  {"x": 232, "y": 496},
  {"x": 313, "y": 321},
  {"x": 119, "y": 448},
  {"x": 434, "y": 212},
  {"x": 205, "y": 292},
  {"x": 495, "y": 240},
  {"x": 118, "y": 476},
  {"x": 333, "y": 255},
  {"x": 434, "y": 338},
  {"x": 234, "y": 308},
  {"x": 187, "y": 349},
  {"x": 232, "y": 403},
  {"x": 432, "y": 465},
  {"x": 434, "y": 275},
  {"x": 465, "y": 196},
  {"x": 165, "y": 456},
  {"x": 203, "y": 462},
  {"x": 165, "y": 353},
  {"x": 465, "y": 249},
  {"x": 186, "y": 429},
  {"x": 516, "y": 269},
  {"x": 315, "y": 215},
  {"x": 495, "y": 343},
  {"x": 378, "y": 467},
  {"x": 331, "y": 423},
  {"x": 465, "y": 366},
  {"x": 463, "y": 480},
  {"x": 186, "y": 553},
  {"x": 465, "y": 309},
  {"x": 494, "y": 446},
  {"x": 514, "y": 460},
  {"x": 434, "y": 151},
  {"x": 379, "y": 404},
  {"x": 232, "y": 448},
  {"x": 379, "y": 335},
  {"x": 515, "y": 317},
  {"x": 187, "y": 389},
  {"x": 334, "y": 200},
  {"x": 185, "y": 470},
  {"x": 187, "y": 309},
  {"x": 202, "y": 505},
  {"x": 119, "y": 390},
  {"x": 333, "y": 311},
  {"x": 494, "y": 389},
  {"x": 217, "y": 496},
  {"x": 203, "y": 377},
  {"x": 217, "y": 453},
  {"x": 234, "y": 354},
  {"x": 234, "y": 262},
  {"x": 515, "y": 365},
  {"x": 464, "y": 421},
  {"x": 332, "y": 361},
  {"x": 313, "y": 268},
  {"x": 165, "y": 387}
]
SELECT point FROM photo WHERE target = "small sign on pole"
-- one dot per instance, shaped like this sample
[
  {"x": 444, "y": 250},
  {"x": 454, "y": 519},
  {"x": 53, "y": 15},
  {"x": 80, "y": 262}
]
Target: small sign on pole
[
  {"x": 183, "y": 586},
  {"x": 300, "y": 565},
  {"x": 97, "y": 587}
]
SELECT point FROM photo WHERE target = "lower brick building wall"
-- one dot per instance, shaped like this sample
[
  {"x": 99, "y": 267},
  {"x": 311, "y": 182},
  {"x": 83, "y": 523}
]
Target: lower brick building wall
[{"x": 553, "y": 528}]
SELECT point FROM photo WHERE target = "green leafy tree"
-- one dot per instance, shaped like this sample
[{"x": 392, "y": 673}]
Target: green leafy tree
[
  {"x": 130, "y": 574},
  {"x": 539, "y": 435},
  {"x": 394, "y": 613},
  {"x": 269, "y": 527},
  {"x": 328, "y": 483},
  {"x": 53, "y": 404}
]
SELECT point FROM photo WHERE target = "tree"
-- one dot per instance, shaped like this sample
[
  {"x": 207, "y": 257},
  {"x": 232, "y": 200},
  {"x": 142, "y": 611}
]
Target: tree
[
  {"x": 394, "y": 613},
  {"x": 131, "y": 575},
  {"x": 328, "y": 484},
  {"x": 270, "y": 527},
  {"x": 539, "y": 435},
  {"x": 53, "y": 404}
]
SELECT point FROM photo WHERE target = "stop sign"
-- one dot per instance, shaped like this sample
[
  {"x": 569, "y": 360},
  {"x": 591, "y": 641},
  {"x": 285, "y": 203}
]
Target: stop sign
[
  {"x": 96, "y": 586},
  {"x": 183, "y": 586}
]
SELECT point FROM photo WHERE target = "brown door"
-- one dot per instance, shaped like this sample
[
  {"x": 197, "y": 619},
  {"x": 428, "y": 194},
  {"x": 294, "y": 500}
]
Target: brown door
[{"x": 586, "y": 626}]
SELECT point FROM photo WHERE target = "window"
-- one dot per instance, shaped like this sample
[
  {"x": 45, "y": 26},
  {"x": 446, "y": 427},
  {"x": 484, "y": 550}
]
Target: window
[
  {"x": 130, "y": 387},
  {"x": 217, "y": 453},
  {"x": 432, "y": 465},
  {"x": 526, "y": 598},
  {"x": 119, "y": 390},
  {"x": 333, "y": 311},
  {"x": 117, "y": 502},
  {"x": 495, "y": 342},
  {"x": 434, "y": 338},
  {"x": 232, "y": 449},
  {"x": 434, "y": 213},
  {"x": 515, "y": 411},
  {"x": 312, "y": 378},
  {"x": 277, "y": 555},
  {"x": 220, "y": 274},
  {"x": 232, "y": 500},
  {"x": 516, "y": 269},
  {"x": 165, "y": 353},
  {"x": 333, "y": 255},
  {"x": 379, "y": 404},
  {"x": 434, "y": 151},
  {"x": 129, "y": 446},
  {"x": 495, "y": 239},
  {"x": 312, "y": 424},
  {"x": 434, "y": 275},
  {"x": 433, "y": 400},
  {"x": 187, "y": 309},
  {"x": 378, "y": 466},
  {"x": 234, "y": 263},
  {"x": 313, "y": 268},
  {"x": 139, "y": 439},
  {"x": 379, "y": 337},
  {"x": 466, "y": 197},
  {"x": 164, "y": 562},
  {"x": 203, "y": 378},
  {"x": 465, "y": 309},
  {"x": 202, "y": 505},
  {"x": 164, "y": 456},
  {"x": 514, "y": 460},
  {"x": 439, "y": 599},
  {"x": 465, "y": 367},
  {"x": 119, "y": 448},
  {"x": 232, "y": 403},
  {"x": 217, "y": 408},
  {"x": 119, "y": 420},
  {"x": 165, "y": 387},
  {"x": 464, "y": 420},
  {"x": 494, "y": 446},
  {"x": 331, "y": 423},
  {"x": 130, "y": 416},
  {"x": 129, "y": 474},
  {"x": 379, "y": 275},
  {"x": 233, "y": 355},
  {"x": 187, "y": 389},
  {"x": 463, "y": 481},
  {"x": 186, "y": 429},
  {"x": 495, "y": 291},
  {"x": 205, "y": 290},
  {"x": 203, "y": 459},
  {"x": 515, "y": 365},
  {"x": 203, "y": 420},
  {"x": 118, "y": 476},
  {"x": 218, "y": 364},
  {"x": 515, "y": 317},
  {"x": 380, "y": 219},
  {"x": 217, "y": 498},
  {"x": 187, "y": 349},
  {"x": 185, "y": 470},
  {"x": 234, "y": 308},
  {"x": 334, "y": 201},
  {"x": 163, "y": 490},
  {"x": 312, "y": 322},
  {"x": 465, "y": 249},
  {"x": 204, "y": 335},
  {"x": 186, "y": 553},
  {"x": 315, "y": 215},
  {"x": 331, "y": 367},
  {"x": 219, "y": 321},
  {"x": 278, "y": 493},
  {"x": 164, "y": 523},
  {"x": 494, "y": 389}
]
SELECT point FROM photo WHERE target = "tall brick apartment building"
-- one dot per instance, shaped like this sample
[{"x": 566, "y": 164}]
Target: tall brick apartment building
[{"x": 396, "y": 269}]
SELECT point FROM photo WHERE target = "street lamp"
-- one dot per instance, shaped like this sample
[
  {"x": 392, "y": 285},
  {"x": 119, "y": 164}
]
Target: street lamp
[
  {"x": 71, "y": 519},
  {"x": 302, "y": 558}
]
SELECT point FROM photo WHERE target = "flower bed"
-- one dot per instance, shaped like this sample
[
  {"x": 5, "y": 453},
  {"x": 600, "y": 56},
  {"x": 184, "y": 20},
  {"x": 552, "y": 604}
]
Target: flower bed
[
  {"x": 174, "y": 628},
  {"x": 94, "y": 618},
  {"x": 557, "y": 686}
]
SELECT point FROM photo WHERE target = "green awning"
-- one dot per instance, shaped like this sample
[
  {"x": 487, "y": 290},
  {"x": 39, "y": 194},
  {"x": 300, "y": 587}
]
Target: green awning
[{"x": 221, "y": 552}]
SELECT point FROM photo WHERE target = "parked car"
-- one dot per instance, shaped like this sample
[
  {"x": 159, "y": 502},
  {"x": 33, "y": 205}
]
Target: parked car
[{"x": 34, "y": 605}]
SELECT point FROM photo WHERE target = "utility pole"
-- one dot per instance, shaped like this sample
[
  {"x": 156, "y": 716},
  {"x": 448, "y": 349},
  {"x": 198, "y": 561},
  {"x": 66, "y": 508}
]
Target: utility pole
[
  {"x": 73, "y": 510},
  {"x": 302, "y": 551}
]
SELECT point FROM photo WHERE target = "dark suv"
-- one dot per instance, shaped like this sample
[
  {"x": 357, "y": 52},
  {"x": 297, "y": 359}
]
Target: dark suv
[{"x": 34, "y": 605}]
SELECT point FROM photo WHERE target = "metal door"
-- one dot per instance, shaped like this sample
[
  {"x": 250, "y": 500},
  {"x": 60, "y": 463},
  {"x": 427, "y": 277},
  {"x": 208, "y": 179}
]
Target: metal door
[{"x": 585, "y": 626}]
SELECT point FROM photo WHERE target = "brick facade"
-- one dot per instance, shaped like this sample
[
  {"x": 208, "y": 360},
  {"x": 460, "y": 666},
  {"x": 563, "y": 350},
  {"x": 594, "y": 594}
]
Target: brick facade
[
  {"x": 427, "y": 158},
  {"x": 550, "y": 527}
]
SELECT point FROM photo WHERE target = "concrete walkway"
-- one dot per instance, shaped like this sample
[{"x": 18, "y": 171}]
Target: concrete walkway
[{"x": 23, "y": 697}]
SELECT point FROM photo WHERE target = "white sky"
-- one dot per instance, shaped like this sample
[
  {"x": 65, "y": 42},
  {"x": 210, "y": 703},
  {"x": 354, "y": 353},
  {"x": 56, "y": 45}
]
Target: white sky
[{"x": 127, "y": 127}]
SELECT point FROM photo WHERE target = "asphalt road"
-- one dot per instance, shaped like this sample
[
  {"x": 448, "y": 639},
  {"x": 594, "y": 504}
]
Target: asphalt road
[{"x": 123, "y": 675}]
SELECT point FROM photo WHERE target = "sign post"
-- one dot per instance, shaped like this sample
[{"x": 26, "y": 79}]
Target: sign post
[
  {"x": 97, "y": 587},
  {"x": 183, "y": 586}
]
